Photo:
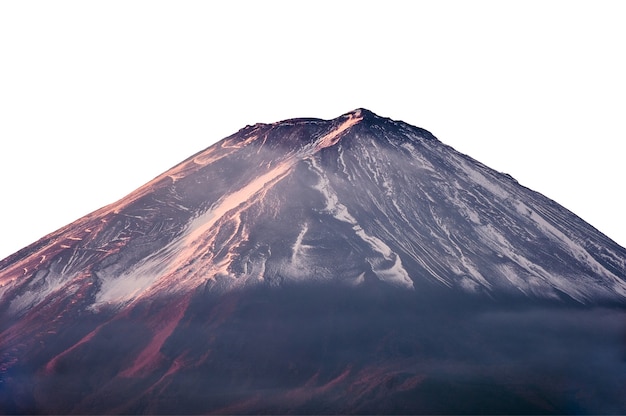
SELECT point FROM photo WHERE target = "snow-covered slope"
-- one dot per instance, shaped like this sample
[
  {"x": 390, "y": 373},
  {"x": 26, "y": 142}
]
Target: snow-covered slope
[{"x": 356, "y": 198}]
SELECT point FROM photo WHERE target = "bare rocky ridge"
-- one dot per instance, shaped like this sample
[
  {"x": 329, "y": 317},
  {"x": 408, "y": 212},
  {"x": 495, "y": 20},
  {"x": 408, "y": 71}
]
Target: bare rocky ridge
[{"x": 356, "y": 265}]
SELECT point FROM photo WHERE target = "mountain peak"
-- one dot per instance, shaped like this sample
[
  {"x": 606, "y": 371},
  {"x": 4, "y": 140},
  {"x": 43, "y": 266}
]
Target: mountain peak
[
  {"x": 366, "y": 115},
  {"x": 362, "y": 113},
  {"x": 360, "y": 228}
]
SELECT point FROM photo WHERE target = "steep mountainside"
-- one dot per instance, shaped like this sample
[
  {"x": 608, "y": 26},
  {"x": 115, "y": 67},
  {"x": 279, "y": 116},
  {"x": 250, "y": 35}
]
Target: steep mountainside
[{"x": 312, "y": 266}]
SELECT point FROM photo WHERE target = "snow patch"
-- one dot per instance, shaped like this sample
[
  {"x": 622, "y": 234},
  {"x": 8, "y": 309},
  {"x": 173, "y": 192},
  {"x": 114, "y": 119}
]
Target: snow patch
[
  {"x": 123, "y": 288},
  {"x": 298, "y": 244}
]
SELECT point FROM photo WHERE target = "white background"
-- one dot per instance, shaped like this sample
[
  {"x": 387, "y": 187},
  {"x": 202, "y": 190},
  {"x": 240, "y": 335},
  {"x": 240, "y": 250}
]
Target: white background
[{"x": 97, "y": 98}]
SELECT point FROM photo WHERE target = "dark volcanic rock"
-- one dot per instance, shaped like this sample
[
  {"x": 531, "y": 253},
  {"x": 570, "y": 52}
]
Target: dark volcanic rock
[{"x": 356, "y": 265}]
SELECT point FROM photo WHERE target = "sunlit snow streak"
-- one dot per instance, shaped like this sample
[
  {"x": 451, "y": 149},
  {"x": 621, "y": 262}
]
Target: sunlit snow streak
[
  {"x": 195, "y": 244},
  {"x": 203, "y": 223},
  {"x": 333, "y": 137}
]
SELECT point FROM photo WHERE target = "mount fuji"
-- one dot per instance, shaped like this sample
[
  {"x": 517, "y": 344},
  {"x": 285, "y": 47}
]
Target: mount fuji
[{"x": 354, "y": 265}]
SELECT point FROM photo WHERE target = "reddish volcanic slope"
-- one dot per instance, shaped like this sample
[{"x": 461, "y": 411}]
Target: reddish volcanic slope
[{"x": 356, "y": 265}]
